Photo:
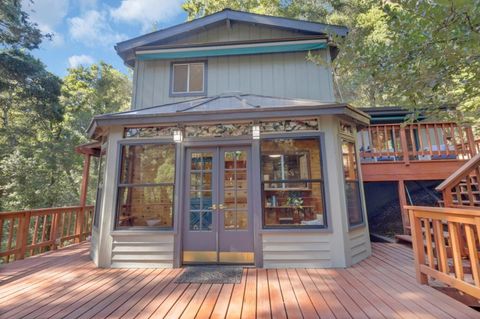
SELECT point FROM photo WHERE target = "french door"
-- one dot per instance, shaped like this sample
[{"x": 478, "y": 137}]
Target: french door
[{"x": 218, "y": 223}]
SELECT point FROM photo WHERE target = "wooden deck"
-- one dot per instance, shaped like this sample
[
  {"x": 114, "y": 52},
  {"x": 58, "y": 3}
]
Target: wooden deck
[{"x": 65, "y": 284}]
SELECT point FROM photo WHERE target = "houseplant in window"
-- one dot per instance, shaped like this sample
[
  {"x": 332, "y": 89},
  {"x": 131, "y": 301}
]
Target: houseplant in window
[{"x": 295, "y": 201}]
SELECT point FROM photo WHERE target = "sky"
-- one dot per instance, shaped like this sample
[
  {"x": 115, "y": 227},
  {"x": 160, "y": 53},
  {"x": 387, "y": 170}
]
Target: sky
[{"x": 85, "y": 31}]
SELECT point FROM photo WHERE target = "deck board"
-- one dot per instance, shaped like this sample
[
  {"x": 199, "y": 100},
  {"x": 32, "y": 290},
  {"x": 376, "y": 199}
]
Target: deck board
[{"x": 66, "y": 284}]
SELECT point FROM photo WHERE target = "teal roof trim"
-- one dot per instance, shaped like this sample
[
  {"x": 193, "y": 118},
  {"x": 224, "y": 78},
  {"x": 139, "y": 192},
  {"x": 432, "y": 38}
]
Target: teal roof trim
[{"x": 232, "y": 51}]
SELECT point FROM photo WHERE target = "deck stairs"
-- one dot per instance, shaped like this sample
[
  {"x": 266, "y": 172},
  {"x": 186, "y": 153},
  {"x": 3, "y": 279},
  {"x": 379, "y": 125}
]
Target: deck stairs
[{"x": 461, "y": 189}]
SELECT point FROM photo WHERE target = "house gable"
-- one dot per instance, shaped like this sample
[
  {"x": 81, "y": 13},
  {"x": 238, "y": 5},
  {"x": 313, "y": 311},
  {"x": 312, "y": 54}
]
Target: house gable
[{"x": 227, "y": 25}]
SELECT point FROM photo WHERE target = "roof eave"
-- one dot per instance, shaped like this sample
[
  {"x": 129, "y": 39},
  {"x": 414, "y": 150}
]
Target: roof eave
[
  {"x": 124, "y": 48},
  {"x": 345, "y": 110}
]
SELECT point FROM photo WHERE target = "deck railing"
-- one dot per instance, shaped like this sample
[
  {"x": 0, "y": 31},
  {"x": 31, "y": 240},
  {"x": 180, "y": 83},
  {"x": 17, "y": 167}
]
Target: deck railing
[
  {"x": 416, "y": 142},
  {"x": 462, "y": 188},
  {"x": 445, "y": 243},
  {"x": 30, "y": 232}
]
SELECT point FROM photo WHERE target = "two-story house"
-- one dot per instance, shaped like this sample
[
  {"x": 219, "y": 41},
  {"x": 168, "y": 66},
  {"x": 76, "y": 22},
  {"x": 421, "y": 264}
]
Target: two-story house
[{"x": 234, "y": 151}]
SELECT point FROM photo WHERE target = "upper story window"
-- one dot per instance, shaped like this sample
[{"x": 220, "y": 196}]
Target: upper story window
[{"x": 188, "y": 78}]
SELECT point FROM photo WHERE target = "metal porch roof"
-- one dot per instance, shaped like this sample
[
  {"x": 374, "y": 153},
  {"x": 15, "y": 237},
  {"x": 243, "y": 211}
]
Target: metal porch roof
[{"x": 228, "y": 107}]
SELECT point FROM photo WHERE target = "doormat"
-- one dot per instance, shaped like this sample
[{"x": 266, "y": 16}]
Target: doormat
[{"x": 211, "y": 275}]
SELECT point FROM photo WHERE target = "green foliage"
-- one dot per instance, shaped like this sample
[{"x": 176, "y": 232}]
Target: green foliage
[
  {"x": 16, "y": 31},
  {"x": 42, "y": 169},
  {"x": 414, "y": 53}
]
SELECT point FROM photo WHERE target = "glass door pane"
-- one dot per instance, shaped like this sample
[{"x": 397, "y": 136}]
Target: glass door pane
[
  {"x": 235, "y": 189},
  {"x": 201, "y": 171}
]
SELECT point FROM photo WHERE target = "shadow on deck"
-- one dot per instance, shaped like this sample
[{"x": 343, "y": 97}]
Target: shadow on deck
[{"x": 66, "y": 284}]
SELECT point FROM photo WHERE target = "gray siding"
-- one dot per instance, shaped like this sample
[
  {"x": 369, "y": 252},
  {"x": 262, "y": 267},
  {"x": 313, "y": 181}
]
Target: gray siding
[
  {"x": 142, "y": 251},
  {"x": 359, "y": 245},
  {"x": 288, "y": 75},
  {"x": 290, "y": 250},
  {"x": 238, "y": 32}
]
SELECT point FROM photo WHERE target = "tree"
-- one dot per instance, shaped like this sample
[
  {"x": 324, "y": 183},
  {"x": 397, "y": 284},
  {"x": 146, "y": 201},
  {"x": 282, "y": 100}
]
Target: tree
[
  {"x": 415, "y": 53},
  {"x": 16, "y": 31},
  {"x": 43, "y": 170}
]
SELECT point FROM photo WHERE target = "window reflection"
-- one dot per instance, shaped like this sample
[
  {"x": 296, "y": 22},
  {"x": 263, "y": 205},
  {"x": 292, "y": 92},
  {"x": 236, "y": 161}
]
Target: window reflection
[
  {"x": 352, "y": 184},
  {"x": 292, "y": 183},
  {"x": 146, "y": 188}
]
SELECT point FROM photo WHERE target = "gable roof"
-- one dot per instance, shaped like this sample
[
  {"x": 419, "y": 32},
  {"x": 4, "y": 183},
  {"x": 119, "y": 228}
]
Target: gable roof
[
  {"x": 228, "y": 107},
  {"x": 126, "y": 48}
]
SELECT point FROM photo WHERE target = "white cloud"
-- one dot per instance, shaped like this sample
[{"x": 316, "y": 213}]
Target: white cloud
[
  {"x": 147, "y": 12},
  {"x": 93, "y": 29},
  {"x": 48, "y": 15},
  {"x": 77, "y": 60},
  {"x": 85, "y": 5}
]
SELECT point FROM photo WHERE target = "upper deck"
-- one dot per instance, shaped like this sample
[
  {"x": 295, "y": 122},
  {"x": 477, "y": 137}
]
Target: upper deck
[{"x": 417, "y": 151}]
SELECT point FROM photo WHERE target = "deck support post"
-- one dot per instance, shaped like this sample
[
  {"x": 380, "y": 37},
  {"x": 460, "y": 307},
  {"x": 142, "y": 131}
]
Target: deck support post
[
  {"x": 83, "y": 198},
  {"x": 402, "y": 197}
]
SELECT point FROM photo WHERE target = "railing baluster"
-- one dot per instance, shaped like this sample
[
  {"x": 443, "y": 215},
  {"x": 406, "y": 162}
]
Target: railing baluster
[
  {"x": 456, "y": 250},
  {"x": 473, "y": 253},
  {"x": 471, "y": 199},
  {"x": 445, "y": 141},
  {"x": 437, "y": 139},
  {"x": 412, "y": 140},
  {"x": 428, "y": 240},
  {"x": 429, "y": 139},
  {"x": 35, "y": 234},
  {"x": 420, "y": 139},
  {"x": 440, "y": 246},
  {"x": 44, "y": 230},
  {"x": 10, "y": 237}
]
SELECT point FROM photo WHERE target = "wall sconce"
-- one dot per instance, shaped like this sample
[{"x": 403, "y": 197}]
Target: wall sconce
[
  {"x": 177, "y": 135},
  {"x": 256, "y": 132}
]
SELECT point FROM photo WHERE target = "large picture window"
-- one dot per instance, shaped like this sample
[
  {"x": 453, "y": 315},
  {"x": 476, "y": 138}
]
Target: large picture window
[
  {"x": 352, "y": 184},
  {"x": 188, "y": 78},
  {"x": 146, "y": 186},
  {"x": 292, "y": 183}
]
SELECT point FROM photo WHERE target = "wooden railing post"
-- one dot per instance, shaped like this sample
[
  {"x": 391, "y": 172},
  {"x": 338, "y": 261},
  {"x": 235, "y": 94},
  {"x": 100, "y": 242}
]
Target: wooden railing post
[
  {"x": 22, "y": 235},
  {"x": 54, "y": 230},
  {"x": 471, "y": 141},
  {"x": 403, "y": 142},
  {"x": 83, "y": 199},
  {"x": 418, "y": 247}
]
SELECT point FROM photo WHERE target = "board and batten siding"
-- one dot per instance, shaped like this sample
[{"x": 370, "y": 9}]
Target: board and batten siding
[
  {"x": 296, "y": 250},
  {"x": 142, "y": 251},
  {"x": 286, "y": 75},
  {"x": 238, "y": 31}
]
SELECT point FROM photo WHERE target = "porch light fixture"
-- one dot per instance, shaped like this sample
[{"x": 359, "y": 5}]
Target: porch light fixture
[
  {"x": 256, "y": 132},
  {"x": 177, "y": 135}
]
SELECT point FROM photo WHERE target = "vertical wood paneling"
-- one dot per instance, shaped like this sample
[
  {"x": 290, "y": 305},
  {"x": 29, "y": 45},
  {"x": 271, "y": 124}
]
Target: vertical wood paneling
[{"x": 282, "y": 74}]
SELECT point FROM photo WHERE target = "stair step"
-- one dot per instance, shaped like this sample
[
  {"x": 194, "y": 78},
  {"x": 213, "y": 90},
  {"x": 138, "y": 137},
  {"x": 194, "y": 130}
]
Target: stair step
[{"x": 404, "y": 238}]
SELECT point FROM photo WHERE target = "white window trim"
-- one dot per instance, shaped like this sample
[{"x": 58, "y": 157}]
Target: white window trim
[{"x": 203, "y": 64}]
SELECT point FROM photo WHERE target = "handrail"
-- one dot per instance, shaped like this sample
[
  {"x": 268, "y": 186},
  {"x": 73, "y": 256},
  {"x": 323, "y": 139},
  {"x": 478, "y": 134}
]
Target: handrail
[
  {"x": 422, "y": 141},
  {"x": 445, "y": 245},
  {"x": 459, "y": 174},
  {"x": 30, "y": 232}
]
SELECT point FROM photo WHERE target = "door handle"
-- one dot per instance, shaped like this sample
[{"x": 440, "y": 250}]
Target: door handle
[
  {"x": 221, "y": 206},
  {"x": 214, "y": 206}
]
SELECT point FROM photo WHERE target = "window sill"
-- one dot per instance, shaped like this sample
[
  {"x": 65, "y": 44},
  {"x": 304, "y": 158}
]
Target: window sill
[
  {"x": 137, "y": 232},
  {"x": 355, "y": 227},
  {"x": 187, "y": 94},
  {"x": 294, "y": 230}
]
